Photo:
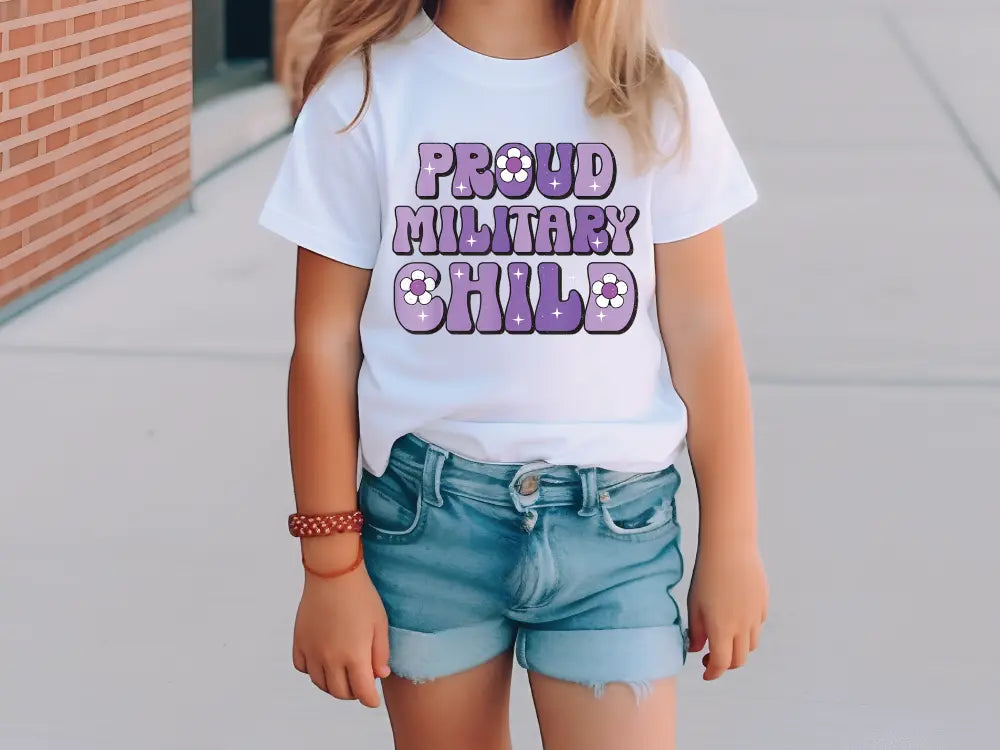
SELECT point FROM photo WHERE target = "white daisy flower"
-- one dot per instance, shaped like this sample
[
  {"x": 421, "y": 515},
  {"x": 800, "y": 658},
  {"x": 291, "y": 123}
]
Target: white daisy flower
[
  {"x": 418, "y": 288},
  {"x": 514, "y": 165},
  {"x": 610, "y": 291}
]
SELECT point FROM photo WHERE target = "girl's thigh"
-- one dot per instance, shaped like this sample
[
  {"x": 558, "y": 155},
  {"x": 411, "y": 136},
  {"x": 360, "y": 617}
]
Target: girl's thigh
[
  {"x": 465, "y": 710},
  {"x": 572, "y": 717}
]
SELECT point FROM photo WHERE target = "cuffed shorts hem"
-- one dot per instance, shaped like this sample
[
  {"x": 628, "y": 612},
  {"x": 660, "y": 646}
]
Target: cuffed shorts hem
[
  {"x": 597, "y": 657},
  {"x": 421, "y": 656}
]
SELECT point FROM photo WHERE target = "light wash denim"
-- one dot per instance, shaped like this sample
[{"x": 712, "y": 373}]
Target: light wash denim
[{"x": 573, "y": 567}]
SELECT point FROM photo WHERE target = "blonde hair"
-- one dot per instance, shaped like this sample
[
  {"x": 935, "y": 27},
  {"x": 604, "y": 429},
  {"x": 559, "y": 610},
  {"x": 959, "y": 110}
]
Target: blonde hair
[{"x": 628, "y": 77}]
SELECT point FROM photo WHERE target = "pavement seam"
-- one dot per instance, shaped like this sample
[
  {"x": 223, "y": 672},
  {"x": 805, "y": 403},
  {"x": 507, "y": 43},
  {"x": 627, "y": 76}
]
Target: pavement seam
[
  {"x": 756, "y": 378},
  {"x": 864, "y": 381},
  {"x": 926, "y": 76},
  {"x": 83, "y": 351}
]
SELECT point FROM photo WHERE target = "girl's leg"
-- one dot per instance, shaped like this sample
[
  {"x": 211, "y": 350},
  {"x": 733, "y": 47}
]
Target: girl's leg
[
  {"x": 572, "y": 717},
  {"x": 465, "y": 710}
]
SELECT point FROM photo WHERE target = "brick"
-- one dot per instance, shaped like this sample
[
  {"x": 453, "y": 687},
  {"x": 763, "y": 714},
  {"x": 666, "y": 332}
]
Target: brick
[
  {"x": 57, "y": 85},
  {"x": 73, "y": 212},
  {"x": 23, "y": 153},
  {"x": 24, "y": 95},
  {"x": 10, "y": 243},
  {"x": 85, "y": 23},
  {"x": 70, "y": 53},
  {"x": 85, "y": 76},
  {"x": 43, "y": 227},
  {"x": 9, "y": 70},
  {"x": 13, "y": 185},
  {"x": 138, "y": 58},
  {"x": 41, "y": 174},
  {"x": 22, "y": 37},
  {"x": 71, "y": 107},
  {"x": 57, "y": 140},
  {"x": 40, "y": 6},
  {"x": 11, "y": 9},
  {"x": 41, "y": 118},
  {"x": 10, "y": 128},
  {"x": 88, "y": 229},
  {"x": 111, "y": 15},
  {"x": 176, "y": 92},
  {"x": 100, "y": 44},
  {"x": 162, "y": 143},
  {"x": 23, "y": 210},
  {"x": 53, "y": 30},
  {"x": 40, "y": 61},
  {"x": 75, "y": 159},
  {"x": 57, "y": 193}
]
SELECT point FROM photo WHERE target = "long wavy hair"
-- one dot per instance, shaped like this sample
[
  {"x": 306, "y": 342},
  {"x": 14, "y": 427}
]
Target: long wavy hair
[{"x": 628, "y": 77}]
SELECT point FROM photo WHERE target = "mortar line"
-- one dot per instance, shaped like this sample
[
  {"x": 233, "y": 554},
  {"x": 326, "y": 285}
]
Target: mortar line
[{"x": 923, "y": 72}]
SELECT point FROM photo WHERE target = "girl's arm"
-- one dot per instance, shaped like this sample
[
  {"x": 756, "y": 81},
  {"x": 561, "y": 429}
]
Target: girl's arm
[
  {"x": 728, "y": 597},
  {"x": 341, "y": 631},
  {"x": 322, "y": 390}
]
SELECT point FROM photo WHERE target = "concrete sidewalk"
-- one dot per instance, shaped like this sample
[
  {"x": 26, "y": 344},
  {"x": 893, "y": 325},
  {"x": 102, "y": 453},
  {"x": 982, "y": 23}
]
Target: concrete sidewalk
[{"x": 143, "y": 408}]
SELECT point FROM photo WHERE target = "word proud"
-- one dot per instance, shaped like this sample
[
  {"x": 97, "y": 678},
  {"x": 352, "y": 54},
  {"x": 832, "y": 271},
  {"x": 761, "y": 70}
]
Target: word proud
[
  {"x": 610, "y": 308},
  {"x": 584, "y": 170}
]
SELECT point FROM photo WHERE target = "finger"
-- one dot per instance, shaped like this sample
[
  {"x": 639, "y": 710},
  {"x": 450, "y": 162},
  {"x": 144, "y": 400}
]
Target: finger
[
  {"x": 720, "y": 655},
  {"x": 697, "y": 634},
  {"x": 754, "y": 637},
  {"x": 741, "y": 647},
  {"x": 299, "y": 661},
  {"x": 363, "y": 684},
  {"x": 314, "y": 668},
  {"x": 338, "y": 682},
  {"x": 380, "y": 650}
]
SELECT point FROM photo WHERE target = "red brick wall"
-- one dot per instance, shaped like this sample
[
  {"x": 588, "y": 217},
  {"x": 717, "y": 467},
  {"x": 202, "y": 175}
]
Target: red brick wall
[{"x": 94, "y": 128}]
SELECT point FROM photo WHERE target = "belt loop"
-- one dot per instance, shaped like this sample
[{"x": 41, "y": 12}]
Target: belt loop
[
  {"x": 588, "y": 478},
  {"x": 430, "y": 484}
]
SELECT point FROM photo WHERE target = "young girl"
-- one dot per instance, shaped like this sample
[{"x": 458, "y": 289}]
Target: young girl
[{"x": 508, "y": 218}]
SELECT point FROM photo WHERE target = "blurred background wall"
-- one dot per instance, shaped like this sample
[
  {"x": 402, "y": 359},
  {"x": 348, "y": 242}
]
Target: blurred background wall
[{"x": 96, "y": 106}]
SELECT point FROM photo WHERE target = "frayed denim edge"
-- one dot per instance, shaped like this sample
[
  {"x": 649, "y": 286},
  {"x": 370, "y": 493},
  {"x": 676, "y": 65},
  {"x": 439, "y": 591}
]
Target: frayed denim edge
[{"x": 642, "y": 689}]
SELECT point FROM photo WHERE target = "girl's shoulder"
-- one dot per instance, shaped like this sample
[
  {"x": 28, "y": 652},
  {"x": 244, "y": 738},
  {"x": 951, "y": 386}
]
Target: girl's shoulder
[
  {"x": 391, "y": 64},
  {"x": 686, "y": 71},
  {"x": 702, "y": 110}
]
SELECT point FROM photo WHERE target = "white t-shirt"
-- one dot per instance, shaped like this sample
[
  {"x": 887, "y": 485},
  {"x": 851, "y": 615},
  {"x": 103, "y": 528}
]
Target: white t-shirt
[{"x": 512, "y": 314}]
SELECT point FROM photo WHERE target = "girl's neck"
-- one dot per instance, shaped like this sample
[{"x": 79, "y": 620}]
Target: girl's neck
[{"x": 513, "y": 29}]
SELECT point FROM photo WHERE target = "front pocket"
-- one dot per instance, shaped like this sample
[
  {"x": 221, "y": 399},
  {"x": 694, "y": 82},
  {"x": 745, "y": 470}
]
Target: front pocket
[
  {"x": 643, "y": 511},
  {"x": 392, "y": 510}
]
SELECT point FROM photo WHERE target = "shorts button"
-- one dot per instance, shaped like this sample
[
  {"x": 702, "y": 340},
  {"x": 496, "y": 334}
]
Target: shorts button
[{"x": 528, "y": 485}]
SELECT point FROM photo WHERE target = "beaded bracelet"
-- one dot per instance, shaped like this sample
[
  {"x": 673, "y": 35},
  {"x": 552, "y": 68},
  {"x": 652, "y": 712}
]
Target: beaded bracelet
[{"x": 324, "y": 524}]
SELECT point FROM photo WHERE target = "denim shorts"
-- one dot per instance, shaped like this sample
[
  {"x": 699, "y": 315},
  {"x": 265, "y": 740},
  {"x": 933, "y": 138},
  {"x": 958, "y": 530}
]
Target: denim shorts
[{"x": 573, "y": 567}]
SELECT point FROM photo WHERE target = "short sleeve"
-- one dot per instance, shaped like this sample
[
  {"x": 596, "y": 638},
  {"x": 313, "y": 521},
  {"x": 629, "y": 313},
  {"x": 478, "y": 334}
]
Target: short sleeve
[
  {"x": 699, "y": 190},
  {"x": 325, "y": 196}
]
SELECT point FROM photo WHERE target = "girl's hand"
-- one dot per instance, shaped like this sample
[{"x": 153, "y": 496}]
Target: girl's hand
[
  {"x": 342, "y": 636},
  {"x": 727, "y": 605}
]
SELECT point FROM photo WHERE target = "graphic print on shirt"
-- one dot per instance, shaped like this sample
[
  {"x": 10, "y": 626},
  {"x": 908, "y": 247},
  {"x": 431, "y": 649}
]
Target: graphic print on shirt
[{"x": 581, "y": 173}]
